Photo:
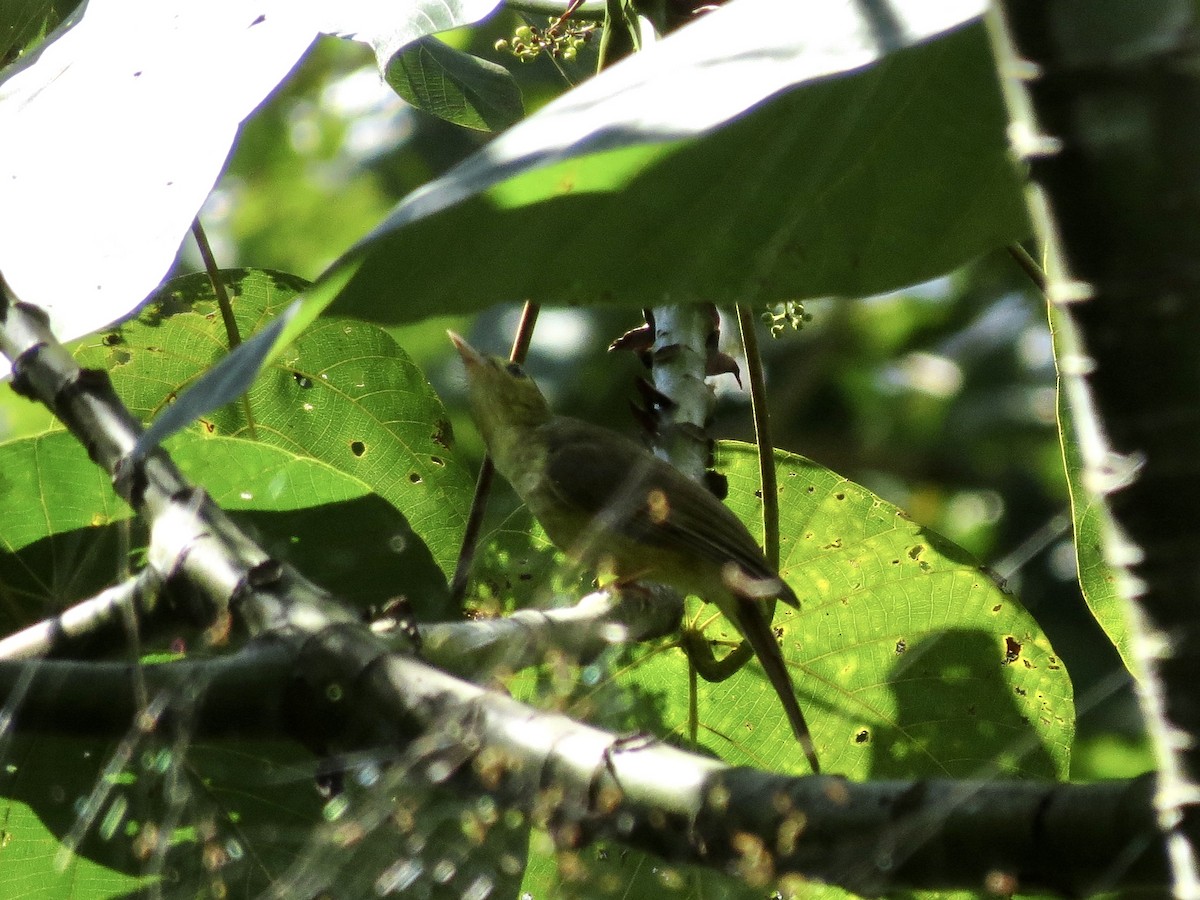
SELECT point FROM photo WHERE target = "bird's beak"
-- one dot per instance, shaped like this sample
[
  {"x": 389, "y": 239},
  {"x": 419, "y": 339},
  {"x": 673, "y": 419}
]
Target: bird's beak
[{"x": 470, "y": 356}]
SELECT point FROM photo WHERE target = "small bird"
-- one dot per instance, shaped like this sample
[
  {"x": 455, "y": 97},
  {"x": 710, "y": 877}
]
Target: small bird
[{"x": 611, "y": 504}]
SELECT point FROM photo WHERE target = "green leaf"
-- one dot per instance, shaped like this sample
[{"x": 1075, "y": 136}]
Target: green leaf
[
  {"x": 57, "y": 540},
  {"x": 58, "y": 518},
  {"x": 455, "y": 86},
  {"x": 25, "y": 23},
  {"x": 868, "y": 169},
  {"x": 44, "y": 786},
  {"x": 908, "y": 659},
  {"x": 344, "y": 394},
  {"x": 1097, "y": 579},
  {"x": 331, "y": 525}
]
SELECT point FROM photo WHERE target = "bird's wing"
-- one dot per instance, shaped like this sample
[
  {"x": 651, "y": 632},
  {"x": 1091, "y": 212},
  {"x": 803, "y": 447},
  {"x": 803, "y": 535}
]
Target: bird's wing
[{"x": 626, "y": 486}]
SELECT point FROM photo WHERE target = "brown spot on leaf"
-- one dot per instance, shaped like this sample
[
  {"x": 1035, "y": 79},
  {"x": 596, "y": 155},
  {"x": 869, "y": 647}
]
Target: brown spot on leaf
[{"x": 443, "y": 433}]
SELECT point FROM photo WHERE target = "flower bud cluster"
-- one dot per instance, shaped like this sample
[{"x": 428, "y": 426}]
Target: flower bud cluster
[{"x": 560, "y": 39}]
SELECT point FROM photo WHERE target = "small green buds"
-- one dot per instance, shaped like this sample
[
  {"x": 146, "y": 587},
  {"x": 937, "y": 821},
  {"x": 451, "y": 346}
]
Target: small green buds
[{"x": 561, "y": 39}]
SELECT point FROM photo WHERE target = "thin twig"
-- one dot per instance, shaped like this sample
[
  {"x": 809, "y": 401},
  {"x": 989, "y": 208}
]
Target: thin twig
[
  {"x": 232, "y": 333},
  {"x": 762, "y": 436},
  {"x": 487, "y": 470},
  {"x": 592, "y": 10},
  {"x": 218, "y": 286}
]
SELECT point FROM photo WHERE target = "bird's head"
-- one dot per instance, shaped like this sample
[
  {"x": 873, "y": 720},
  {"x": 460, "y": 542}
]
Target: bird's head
[{"x": 503, "y": 398}]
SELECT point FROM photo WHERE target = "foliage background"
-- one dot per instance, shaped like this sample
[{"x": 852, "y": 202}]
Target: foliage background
[{"x": 939, "y": 397}]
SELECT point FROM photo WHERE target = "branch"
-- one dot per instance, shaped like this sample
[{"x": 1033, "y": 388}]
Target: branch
[
  {"x": 479, "y": 648},
  {"x": 680, "y": 360},
  {"x": 97, "y": 699},
  {"x": 1106, "y": 113},
  {"x": 868, "y": 838},
  {"x": 96, "y": 622},
  {"x": 585, "y": 784}
]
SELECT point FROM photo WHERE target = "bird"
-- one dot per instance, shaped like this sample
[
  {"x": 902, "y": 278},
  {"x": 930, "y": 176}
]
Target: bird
[{"x": 611, "y": 504}]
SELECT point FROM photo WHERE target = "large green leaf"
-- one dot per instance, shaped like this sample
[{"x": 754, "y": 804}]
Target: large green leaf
[
  {"x": 872, "y": 167},
  {"x": 123, "y": 80},
  {"x": 45, "y": 785},
  {"x": 58, "y": 519},
  {"x": 56, "y": 540},
  {"x": 344, "y": 394},
  {"x": 235, "y": 816},
  {"x": 909, "y": 660}
]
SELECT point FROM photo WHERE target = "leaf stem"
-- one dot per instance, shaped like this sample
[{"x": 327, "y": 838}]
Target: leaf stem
[
  {"x": 487, "y": 470},
  {"x": 1028, "y": 265}
]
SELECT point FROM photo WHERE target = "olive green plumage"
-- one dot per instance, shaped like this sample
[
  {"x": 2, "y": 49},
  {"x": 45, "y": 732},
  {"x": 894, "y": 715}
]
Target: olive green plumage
[{"x": 611, "y": 504}]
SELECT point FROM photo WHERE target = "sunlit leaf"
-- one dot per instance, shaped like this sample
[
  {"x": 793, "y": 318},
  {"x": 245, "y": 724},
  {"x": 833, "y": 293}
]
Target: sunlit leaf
[
  {"x": 124, "y": 84},
  {"x": 908, "y": 659},
  {"x": 58, "y": 520},
  {"x": 1097, "y": 579},
  {"x": 344, "y": 394}
]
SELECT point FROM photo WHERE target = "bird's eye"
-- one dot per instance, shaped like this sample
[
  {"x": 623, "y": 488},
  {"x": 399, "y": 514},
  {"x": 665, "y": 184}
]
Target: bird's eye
[{"x": 515, "y": 370}]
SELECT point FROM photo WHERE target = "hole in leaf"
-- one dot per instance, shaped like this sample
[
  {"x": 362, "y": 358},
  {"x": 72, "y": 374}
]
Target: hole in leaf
[
  {"x": 414, "y": 477},
  {"x": 358, "y": 448},
  {"x": 303, "y": 380},
  {"x": 1012, "y": 650}
]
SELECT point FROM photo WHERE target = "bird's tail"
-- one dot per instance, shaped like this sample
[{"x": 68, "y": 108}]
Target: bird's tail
[{"x": 757, "y": 630}]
